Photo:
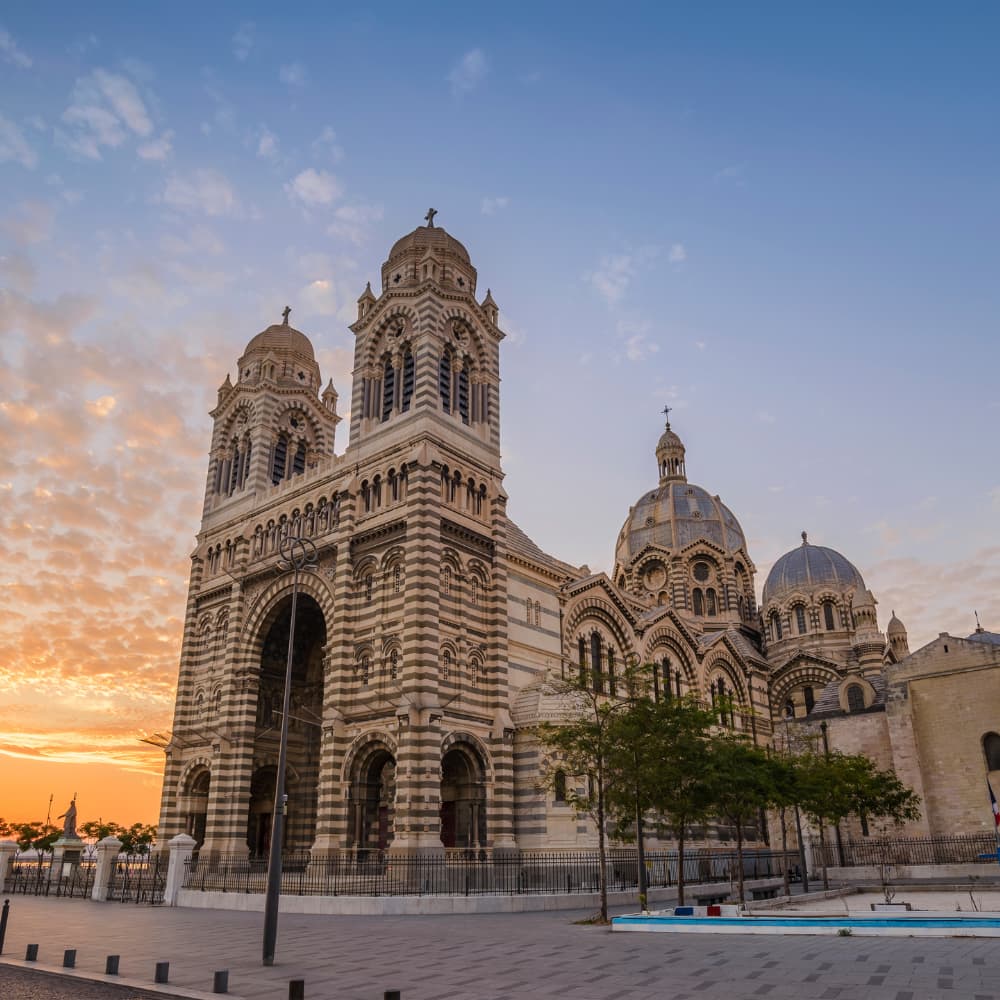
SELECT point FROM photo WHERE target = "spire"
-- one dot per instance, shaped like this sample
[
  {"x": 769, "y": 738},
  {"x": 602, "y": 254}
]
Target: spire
[
  {"x": 979, "y": 627},
  {"x": 670, "y": 454},
  {"x": 805, "y": 538}
]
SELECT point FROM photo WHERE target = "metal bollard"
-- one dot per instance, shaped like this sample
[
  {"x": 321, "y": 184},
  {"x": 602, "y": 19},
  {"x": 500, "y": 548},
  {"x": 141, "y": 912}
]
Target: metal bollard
[
  {"x": 111, "y": 965},
  {"x": 162, "y": 973},
  {"x": 3, "y": 922},
  {"x": 391, "y": 995},
  {"x": 296, "y": 989},
  {"x": 31, "y": 954},
  {"x": 69, "y": 958},
  {"x": 220, "y": 981}
]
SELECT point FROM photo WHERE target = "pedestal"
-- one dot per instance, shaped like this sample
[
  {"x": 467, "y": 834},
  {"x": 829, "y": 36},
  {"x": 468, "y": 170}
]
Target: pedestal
[{"x": 66, "y": 855}]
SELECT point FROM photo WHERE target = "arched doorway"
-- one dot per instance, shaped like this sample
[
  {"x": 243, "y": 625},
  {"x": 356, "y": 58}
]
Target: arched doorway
[
  {"x": 463, "y": 798},
  {"x": 304, "y": 724},
  {"x": 195, "y": 806},
  {"x": 373, "y": 799}
]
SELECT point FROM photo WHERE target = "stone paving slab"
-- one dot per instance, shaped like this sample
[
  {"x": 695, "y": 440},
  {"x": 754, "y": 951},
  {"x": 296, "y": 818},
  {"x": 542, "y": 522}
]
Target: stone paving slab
[{"x": 492, "y": 957}]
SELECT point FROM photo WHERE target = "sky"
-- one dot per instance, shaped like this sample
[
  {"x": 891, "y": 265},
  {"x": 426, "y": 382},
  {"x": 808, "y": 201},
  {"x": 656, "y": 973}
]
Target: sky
[{"x": 780, "y": 220}]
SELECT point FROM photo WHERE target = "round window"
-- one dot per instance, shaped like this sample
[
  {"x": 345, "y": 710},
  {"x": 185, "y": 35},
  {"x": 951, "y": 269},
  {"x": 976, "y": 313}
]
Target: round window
[{"x": 701, "y": 571}]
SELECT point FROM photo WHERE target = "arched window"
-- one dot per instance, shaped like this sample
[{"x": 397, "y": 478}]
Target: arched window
[
  {"x": 444, "y": 381},
  {"x": 446, "y": 665},
  {"x": 583, "y": 659},
  {"x": 559, "y": 786},
  {"x": 775, "y": 625},
  {"x": 397, "y": 579},
  {"x": 699, "y": 602},
  {"x": 810, "y": 698},
  {"x": 393, "y": 486},
  {"x": 656, "y": 680},
  {"x": 446, "y": 580},
  {"x": 408, "y": 371},
  {"x": 828, "y": 620},
  {"x": 800, "y": 619},
  {"x": 366, "y": 496},
  {"x": 377, "y": 491},
  {"x": 475, "y": 669},
  {"x": 474, "y": 590},
  {"x": 393, "y": 665},
  {"x": 366, "y": 666},
  {"x": 789, "y": 709},
  {"x": 595, "y": 662},
  {"x": 612, "y": 680},
  {"x": 388, "y": 389},
  {"x": 299, "y": 461},
  {"x": 199, "y": 706},
  {"x": 710, "y": 601},
  {"x": 279, "y": 459},
  {"x": 991, "y": 748},
  {"x": 369, "y": 585},
  {"x": 855, "y": 698},
  {"x": 463, "y": 393},
  {"x": 218, "y": 703}
]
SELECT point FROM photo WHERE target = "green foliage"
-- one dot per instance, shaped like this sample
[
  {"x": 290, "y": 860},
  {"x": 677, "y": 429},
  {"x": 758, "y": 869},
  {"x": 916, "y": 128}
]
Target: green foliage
[
  {"x": 136, "y": 839},
  {"x": 35, "y": 836}
]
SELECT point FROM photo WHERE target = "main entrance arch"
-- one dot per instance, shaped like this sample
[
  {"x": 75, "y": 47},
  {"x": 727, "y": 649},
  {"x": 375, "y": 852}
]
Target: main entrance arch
[
  {"x": 463, "y": 797},
  {"x": 304, "y": 723}
]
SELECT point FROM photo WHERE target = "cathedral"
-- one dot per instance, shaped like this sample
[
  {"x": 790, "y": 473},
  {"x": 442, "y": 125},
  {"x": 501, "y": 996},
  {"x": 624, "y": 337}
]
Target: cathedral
[{"x": 432, "y": 635}]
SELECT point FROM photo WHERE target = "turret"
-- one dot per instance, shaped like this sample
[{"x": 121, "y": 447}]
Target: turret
[{"x": 896, "y": 634}]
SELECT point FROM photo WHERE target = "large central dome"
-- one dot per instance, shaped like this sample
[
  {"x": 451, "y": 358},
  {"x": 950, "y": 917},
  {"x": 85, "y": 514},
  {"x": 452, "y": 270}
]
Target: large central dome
[
  {"x": 678, "y": 512},
  {"x": 674, "y": 516}
]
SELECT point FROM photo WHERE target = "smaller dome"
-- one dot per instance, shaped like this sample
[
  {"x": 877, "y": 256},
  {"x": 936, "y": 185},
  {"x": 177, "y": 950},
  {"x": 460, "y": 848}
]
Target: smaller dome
[
  {"x": 811, "y": 568},
  {"x": 895, "y": 626},
  {"x": 282, "y": 338}
]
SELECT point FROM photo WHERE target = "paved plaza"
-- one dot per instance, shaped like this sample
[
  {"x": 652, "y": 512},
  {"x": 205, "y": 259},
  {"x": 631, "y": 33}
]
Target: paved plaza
[{"x": 492, "y": 957}]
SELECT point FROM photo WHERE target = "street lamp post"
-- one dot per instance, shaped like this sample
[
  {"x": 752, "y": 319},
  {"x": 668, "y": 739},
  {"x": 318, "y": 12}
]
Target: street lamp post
[
  {"x": 297, "y": 554},
  {"x": 798, "y": 825}
]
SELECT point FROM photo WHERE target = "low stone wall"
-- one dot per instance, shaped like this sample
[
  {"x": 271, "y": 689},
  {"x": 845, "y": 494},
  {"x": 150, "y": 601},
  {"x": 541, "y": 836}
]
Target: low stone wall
[
  {"x": 415, "y": 905},
  {"x": 903, "y": 873}
]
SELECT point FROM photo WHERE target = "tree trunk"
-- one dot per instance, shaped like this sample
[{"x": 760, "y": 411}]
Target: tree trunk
[
  {"x": 739, "y": 856},
  {"x": 680, "y": 866},
  {"x": 602, "y": 875},
  {"x": 822, "y": 848},
  {"x": 784, "y": 854}
]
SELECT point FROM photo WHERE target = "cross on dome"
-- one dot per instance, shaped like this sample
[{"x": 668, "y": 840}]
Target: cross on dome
[
  {"x": 429, "y": 217},
  {"x": 285, "y": 314}
]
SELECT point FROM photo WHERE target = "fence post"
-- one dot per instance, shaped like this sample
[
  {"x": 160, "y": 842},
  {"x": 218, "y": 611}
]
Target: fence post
[
  {"x": 181, "y": 848},
  {"x": 8, "y": 851},
  {"x": 108, "y": 850}
]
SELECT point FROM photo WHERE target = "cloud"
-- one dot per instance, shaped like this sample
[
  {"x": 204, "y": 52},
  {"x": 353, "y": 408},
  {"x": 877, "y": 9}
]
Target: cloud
[
  {"x": 197, "y": 241},
  {"x": 204, "y": 190},
  {"x": 30, "y": 222},
  {"x": 468, "y": 72},
  {"x": 293, "y": 75},
  {"x": 611, "y": 278},
  {"x": 635, "y": 334},
  {"x": 157, "y": 149},
  {"x": 267, "y": 144},
  {"x": 103, "y": 109},
  {"x": 243, "y": 40},
  {"x": 314, "y": 187},
  {"x": 17, "y": 271},
  {"x": 326, "y": 143},
  {"x": 102, "y": 406},
  {"x": 491, "y": 206},
  {"x": 328, "y": 297},
  {"x": 677, "y": 253},
  {"x": 354, "y": 222},
  {"x": 14, "y": 148},
  {"x": 10, "y": 53}
]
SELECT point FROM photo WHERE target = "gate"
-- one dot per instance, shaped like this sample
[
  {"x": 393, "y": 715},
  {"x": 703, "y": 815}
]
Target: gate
[{"x": 138, "y": 880}]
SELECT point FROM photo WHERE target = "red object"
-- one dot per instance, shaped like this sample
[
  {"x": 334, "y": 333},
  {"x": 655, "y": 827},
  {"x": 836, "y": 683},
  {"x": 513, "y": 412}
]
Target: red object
[{"x": 715, "y": 911}]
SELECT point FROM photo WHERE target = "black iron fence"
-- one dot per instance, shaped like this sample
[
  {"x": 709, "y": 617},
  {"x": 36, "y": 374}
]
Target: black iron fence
[
  {"x": 471, "y": 873},
  {"x": 40, "y": 877},
  {"x": 138, "y": 879},
  {"x": 975, "y": 848}
]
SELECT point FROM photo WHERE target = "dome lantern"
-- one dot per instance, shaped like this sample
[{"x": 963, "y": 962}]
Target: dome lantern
[{"x": 670, "y": 455}]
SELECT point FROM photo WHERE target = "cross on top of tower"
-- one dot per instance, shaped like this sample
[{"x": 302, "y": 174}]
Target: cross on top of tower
[
  {"x": 285, "y": 314},
  {"x": 666, "y": 413},
  {"x": 429, "y": 217}
]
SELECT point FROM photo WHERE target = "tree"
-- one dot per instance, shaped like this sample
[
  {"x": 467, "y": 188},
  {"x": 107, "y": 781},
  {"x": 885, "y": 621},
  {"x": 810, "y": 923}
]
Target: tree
[
  {"x": 743, "y": 781},
  {"x": 581, "y": 747}
]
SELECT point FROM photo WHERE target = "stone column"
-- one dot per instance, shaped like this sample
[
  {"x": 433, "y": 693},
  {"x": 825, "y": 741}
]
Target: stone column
[
  {"x": 181, "y": 848},
  {"x": 8, "y": 851},
  {"x": 108, "y": 850}
]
